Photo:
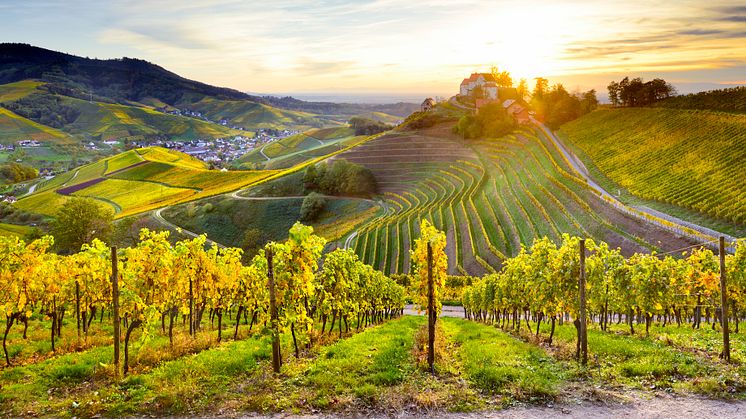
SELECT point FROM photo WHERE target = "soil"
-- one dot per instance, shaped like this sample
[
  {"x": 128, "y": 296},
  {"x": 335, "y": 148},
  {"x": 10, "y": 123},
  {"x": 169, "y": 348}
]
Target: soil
[{"x": 628, "y": 405}]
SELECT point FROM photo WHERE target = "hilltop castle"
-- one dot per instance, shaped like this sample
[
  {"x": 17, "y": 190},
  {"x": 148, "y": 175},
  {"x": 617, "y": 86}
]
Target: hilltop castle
[{"x": 485, "y": 81}]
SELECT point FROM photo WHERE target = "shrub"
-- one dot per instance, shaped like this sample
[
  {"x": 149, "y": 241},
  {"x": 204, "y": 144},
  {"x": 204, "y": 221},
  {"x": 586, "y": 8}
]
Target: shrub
[{"x": 312, "y": 206}]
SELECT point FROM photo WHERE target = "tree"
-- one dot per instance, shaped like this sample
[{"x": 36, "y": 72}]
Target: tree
[
  {"x": 502, "y": 78},
  {"x": 79, "y": 221},
  {"x": 522, "y": 89},
  {"x": 540, "y": 88},
  {"x": 310, "y": 177},
  {"x": 613, "y": 88},
  {"x": 313, "y": 204}
]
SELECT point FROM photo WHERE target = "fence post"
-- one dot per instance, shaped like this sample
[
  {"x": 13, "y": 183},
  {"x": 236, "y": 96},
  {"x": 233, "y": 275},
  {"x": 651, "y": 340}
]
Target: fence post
[
  {"x": 583, "y": 320},
  {"x": 77, "y": 307},
  {"x": 724, "y": 303},
  {"x": 431, "y": 315},
  {"x": 191, "y": 308},
  {"x": 276, "y": 355},
  {"x": 115, "y": 305}
]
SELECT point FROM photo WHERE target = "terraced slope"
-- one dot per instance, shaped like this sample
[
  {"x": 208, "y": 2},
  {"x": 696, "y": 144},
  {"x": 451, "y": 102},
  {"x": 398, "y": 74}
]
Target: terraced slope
[
  {"x": 489, "y": 196},
  {"x": 289, "y": 151},
  {"x": 691, "y": 164},
  {"x": 138, "y": 181}
]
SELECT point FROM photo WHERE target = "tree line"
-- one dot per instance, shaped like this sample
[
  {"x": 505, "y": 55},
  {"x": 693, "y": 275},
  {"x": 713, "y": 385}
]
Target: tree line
[{"x": 636, "y": 92}]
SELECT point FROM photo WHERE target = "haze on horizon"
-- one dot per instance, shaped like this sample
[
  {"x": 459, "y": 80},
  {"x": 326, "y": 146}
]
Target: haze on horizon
[{"x": 397, "y": 46}]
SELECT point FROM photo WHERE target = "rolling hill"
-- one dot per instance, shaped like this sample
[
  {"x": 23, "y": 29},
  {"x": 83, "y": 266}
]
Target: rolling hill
[
  {"x": 137, "y": 181},
  {"x": 299, "y": 148},
  {"x": 57, "y": 98},
  {"x": 689, "y": 163},
  {"x": 490, "y": 196}
]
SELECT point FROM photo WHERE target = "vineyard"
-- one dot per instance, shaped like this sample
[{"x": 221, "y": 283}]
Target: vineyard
[
  {"x": 299, "y": 148},
  {"x": 333, "y": 331},
  {"x": 137, "y": 181},
  {"x": 670, "y": 158},
  {"x": 155, "y": 283},
  {"x": 489, "y": 196}
]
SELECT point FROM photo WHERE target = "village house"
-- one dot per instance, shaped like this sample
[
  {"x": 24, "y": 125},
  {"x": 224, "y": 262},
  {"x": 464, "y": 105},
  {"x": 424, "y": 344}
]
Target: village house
[
  {"x": 517, "y": 110},
  {"x": 427, "y": 105}
]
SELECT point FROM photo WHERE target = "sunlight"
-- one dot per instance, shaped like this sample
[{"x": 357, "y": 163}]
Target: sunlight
[{"x": 526, "y": 42}]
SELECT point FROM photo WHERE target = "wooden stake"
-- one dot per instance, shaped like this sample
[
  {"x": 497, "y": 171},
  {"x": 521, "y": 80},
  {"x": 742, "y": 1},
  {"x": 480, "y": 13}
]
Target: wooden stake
[
  {"x": 583, "y": 320},
  {"x": 724, "y": 303},
  {"x": 115, "y": 305},
  {"x": 431, "y": 315},
  {"x": 276, "y": 355}
]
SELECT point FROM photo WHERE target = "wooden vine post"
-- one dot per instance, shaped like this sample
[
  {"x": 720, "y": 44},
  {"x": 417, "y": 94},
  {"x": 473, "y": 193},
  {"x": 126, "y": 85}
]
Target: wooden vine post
[
  {"x": 191, "y": 308},
  {"x": 431, "y": 315},
  {"x": 724, "y": 303},
  {"x": 276, "y": 355},
  {"x": 583, "y": 320},
  {"x": 115, "y": 305}
]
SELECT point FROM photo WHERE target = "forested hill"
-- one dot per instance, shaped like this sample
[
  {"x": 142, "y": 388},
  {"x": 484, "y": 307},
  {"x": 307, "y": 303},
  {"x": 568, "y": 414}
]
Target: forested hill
[
  {"x": 133, "y": 80},
  {"x": 120, "y": 80}
]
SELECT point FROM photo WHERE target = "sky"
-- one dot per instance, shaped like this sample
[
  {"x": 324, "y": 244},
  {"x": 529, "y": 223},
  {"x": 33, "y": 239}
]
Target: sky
[{"x": 398, "y": 47}]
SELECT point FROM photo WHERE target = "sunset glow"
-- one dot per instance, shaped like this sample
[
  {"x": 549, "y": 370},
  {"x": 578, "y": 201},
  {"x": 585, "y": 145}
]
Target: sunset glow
[{"x": 397, "y": 46}]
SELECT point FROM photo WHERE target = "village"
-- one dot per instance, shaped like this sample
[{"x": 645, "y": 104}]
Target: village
[{"x": 220, "y": 151}]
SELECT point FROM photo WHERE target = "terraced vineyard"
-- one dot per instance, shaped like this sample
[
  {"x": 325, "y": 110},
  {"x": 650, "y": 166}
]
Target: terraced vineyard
[
  {"x": 490, "y": 197},
  {"x": 688, "y": 163},
  {"x": 138, "y": 181},
  {"x": 298, "y": 148}
]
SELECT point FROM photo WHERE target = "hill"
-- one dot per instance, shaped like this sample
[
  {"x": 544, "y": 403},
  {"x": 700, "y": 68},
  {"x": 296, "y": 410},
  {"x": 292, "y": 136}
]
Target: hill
[
  {"x": 685, "y": 162},
  {"x": 728, "y": 100},
  {"x": 137, "y": 181},
  {"x": 54, "y": 97},
  {"x": 490, "y": 196},
  {"x": 299, "y": 148}
]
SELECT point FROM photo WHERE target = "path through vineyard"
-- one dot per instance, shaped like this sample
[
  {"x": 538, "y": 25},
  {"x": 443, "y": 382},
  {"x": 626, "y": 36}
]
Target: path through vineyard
[{"x": 627, "y": 405}]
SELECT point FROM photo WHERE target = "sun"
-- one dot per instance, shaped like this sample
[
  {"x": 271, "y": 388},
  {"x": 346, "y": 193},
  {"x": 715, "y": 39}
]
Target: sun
[{"x": 524, "y": 41}]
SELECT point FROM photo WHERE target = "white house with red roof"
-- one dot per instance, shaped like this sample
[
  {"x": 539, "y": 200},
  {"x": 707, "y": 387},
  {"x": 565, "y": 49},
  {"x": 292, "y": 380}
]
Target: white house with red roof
[{"x": 485, "y": 81}]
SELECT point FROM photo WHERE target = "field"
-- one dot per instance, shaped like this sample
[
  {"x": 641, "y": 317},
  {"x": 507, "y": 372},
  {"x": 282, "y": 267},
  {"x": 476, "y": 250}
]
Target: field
[
  {"x": 14, "y": 91},
  {"x": 687, "y": 163},
  {"x": 253, "y": 115},
  {"x": 490, "y": 197},
  {"x": 15, "y": 127},
  {"x": 298, "y": 148},
  {"x": 137, "y": 181},
  {"x": 14, "y": 230},
  {"x": 114, "y": 121}
]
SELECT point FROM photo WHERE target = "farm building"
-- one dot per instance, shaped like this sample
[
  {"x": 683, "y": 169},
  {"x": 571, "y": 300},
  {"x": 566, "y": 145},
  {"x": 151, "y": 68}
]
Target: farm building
[
  {"x": 517, "y": 110},
  {"x": 427, "y": 104}
]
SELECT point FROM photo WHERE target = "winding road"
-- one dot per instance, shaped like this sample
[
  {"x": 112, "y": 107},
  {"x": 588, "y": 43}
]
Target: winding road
[{"x": 643, "y": 213}]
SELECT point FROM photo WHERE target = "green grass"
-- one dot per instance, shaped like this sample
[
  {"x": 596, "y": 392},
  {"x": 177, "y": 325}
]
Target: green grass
[
  {"x": 498, "y": 363},
  {"x": 14, "y": 230},
  {"x": 120, "y": 161}
]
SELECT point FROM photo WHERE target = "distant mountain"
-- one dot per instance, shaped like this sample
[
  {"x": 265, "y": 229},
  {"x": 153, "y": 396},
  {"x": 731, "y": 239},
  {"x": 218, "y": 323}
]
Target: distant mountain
[{"x": 121, "y": 80}]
